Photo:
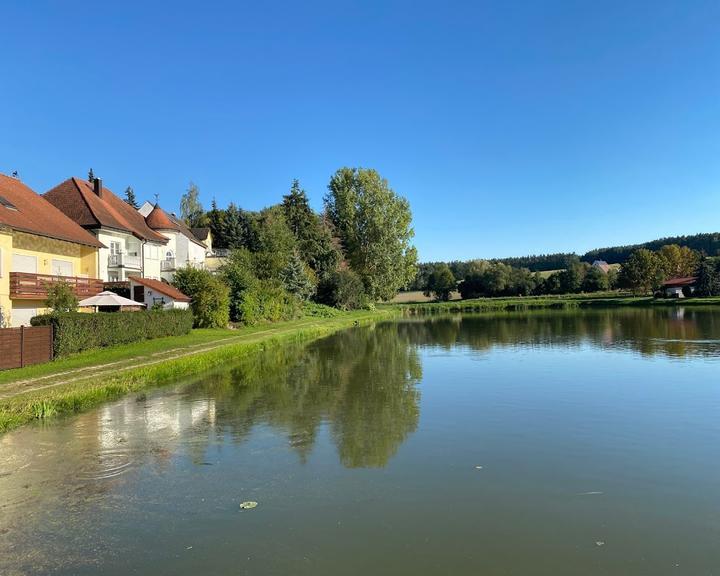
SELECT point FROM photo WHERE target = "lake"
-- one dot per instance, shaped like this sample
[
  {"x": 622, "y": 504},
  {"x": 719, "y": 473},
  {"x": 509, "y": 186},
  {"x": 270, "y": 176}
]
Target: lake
[{"x": 547, "y": 443}]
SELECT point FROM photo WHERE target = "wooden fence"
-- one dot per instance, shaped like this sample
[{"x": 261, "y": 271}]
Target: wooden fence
[{"x": 25, "y": 346}]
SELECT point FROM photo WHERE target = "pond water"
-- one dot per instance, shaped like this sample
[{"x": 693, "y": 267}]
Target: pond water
[{"x": 549, "y": 443}]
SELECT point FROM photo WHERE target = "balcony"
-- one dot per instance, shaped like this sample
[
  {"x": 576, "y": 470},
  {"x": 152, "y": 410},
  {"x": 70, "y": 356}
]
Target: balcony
[
  {"x": 124, "y": 261},
  {"x": 167, "y": 265},
  {"x": 24, "y": 285}
]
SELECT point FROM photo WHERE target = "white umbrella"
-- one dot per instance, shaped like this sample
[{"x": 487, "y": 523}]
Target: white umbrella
[{"x": 108, "y": 298}]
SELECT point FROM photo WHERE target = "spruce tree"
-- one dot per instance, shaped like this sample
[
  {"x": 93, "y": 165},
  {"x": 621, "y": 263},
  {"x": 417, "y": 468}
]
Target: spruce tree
[
  {"x": 130, "y": 197},
  {"x": 296, "y": 280}
]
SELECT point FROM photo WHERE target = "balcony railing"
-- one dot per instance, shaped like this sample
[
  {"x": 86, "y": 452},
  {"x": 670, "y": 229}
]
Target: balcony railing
[
  {"x": 167, "y": 265},
  {"x": 35, "y": 286},
  {"x": 124, "y": 261}
]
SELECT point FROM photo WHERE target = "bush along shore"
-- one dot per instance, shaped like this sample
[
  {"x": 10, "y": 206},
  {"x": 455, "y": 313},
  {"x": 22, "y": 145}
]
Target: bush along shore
[{"x": 74, "y": 394}]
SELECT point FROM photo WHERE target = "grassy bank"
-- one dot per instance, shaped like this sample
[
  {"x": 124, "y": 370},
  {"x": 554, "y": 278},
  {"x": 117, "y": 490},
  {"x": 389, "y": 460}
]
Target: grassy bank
[
  {"x": 548, "y": 302},
  {"x": 70, "y": 385}
]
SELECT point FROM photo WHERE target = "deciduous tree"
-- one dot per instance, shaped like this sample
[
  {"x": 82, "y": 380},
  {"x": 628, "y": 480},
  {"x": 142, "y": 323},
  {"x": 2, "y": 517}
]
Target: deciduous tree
[{"x": 375, "y": 227}]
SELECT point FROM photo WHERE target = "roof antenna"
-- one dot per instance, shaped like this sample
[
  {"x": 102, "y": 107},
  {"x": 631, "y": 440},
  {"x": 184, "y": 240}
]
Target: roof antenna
[
  {"x": 91, "y": 176},
  {"x": 15, "y": 175},
  {"x": 157, "y": 196}
]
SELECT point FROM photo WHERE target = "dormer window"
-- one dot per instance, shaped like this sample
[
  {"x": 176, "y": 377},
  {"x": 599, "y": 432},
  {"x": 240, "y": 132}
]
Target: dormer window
[{"x": 4, "y": 202}]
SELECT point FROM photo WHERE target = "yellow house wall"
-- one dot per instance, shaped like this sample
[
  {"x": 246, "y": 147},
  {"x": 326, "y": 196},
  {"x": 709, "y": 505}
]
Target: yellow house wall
[
  {"x": 84, "y": 261},
  {"x": 5, "y": 263}
]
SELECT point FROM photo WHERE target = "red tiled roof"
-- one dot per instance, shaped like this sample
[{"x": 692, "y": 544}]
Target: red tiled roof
[
  {"x": 34, "y": 214},
  {"x": 159, "y": 220},
  {"x": 76, "y": 198},
  {"x": 162, "y": 287},
  {"x": 676, "y": 282}
]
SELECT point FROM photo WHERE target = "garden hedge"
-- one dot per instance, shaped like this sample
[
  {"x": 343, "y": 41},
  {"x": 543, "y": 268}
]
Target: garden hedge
[{"x": 77, "y": 331}]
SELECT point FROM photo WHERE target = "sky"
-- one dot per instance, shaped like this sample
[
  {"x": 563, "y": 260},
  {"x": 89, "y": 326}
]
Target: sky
[{"x": 512, "y": 128}]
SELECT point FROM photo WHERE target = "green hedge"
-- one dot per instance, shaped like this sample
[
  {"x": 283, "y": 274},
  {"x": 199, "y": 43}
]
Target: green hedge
[{"x": 76, "y": 331}]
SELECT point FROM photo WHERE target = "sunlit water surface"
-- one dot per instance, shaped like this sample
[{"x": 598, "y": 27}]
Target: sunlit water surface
[{"x": 554, "y": 443}]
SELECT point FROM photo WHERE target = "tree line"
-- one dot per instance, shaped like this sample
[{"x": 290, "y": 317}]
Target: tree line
[
  {"x": 644, "y": 272},
  {"x": 705, "y": 244},
  {"x": 356, "y": 252}
]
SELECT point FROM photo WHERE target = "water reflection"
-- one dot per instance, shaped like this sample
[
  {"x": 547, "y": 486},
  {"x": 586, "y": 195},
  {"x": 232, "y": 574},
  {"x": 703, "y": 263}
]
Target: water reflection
[
  {"x": 77, "y": 492},
  {"x": 674, "y": 332},
  {"x": 361, "y": 382}
]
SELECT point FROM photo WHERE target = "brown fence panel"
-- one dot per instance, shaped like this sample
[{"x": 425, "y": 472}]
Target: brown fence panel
[
  {"x": 37, "y": 345},
  {"x": 10, "y": 348},
  {"x": 25, "y": 346}
]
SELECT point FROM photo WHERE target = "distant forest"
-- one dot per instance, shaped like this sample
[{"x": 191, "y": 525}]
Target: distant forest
[{"x": 707, "y": 244}]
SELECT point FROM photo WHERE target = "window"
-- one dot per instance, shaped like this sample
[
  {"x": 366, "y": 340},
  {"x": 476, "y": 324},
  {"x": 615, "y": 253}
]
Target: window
[
  {"x": 24, "y": 263},
  {"x": 62, "y": 267},
  {"x": 7, "y": 204},
  {"x": 115, "y": 248}
]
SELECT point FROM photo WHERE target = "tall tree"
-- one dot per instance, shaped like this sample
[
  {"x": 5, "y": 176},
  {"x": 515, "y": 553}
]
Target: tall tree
[
  {"x": 215, "y": 220},
  {"x": 642, "y": 272},
  {"x": 130, "y": 197},
  {"x": 375, "y": 227},
  {"x": 191, "y": 209},
  {"x": 236, "y": 229},
  {"x": 678, "y": 261},
  {"x": 708, "y": 282},
  {"x": 441, "y": 283},
  {"x": 313, "y": 237}
]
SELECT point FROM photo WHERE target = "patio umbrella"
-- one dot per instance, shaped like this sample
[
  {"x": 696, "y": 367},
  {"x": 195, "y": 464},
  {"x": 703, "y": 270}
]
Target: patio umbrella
[{"x": 108, "y": 298}]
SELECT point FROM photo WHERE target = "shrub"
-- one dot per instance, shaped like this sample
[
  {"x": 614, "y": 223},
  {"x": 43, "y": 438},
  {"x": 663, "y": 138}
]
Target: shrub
[
  {"x": 61, "y": 298},
  {"x": 342, "y": 289},
  {"x": 210, "y": 302},
  {"x": 77, "y": 331},
  {"x": 320, "y": 310},
  {"x": 267, "y": 300}
]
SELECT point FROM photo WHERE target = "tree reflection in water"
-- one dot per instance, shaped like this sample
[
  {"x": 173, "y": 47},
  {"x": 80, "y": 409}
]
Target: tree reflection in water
[{"x": 362, "y": 382}]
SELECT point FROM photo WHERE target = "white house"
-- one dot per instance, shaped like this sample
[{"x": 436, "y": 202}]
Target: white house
[
  {"x": 155, "y": 292},
  {"x": 131, "y": 247},
  {"x": 182, "y": 249},
  {"x": 680, "y": 287}
]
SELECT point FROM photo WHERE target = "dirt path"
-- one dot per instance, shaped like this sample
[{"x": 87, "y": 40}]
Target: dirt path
[{"x": 87, "y": 372}]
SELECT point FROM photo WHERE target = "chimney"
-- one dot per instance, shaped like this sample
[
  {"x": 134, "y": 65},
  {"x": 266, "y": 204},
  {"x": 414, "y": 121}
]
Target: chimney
[{"x": 97, "y": 187}]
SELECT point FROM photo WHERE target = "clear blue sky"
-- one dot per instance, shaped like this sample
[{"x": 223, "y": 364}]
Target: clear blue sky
[{"x": 512, "y": 127}]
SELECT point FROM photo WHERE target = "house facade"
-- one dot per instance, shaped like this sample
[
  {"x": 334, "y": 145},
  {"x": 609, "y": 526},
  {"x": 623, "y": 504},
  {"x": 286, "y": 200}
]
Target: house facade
[
  {"x": 680, "y": 287},
  {"x": 157, "y": 293},
  {"x": 39, "y": 246},
  {"x": 130, "y": 247},
  {"x": 183, "y": 249}
]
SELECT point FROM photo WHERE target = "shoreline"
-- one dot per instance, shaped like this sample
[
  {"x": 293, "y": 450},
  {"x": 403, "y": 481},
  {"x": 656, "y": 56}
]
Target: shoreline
[
  {"x": 83, "y": 381},
  {"x": 25, "y": 398},
  {"x": 527, "y": 303}
]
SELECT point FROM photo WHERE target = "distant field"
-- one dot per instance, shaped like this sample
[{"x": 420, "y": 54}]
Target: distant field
[
  {"x": 546, "y": 273},
  {"x": 417, "y": 296}
]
